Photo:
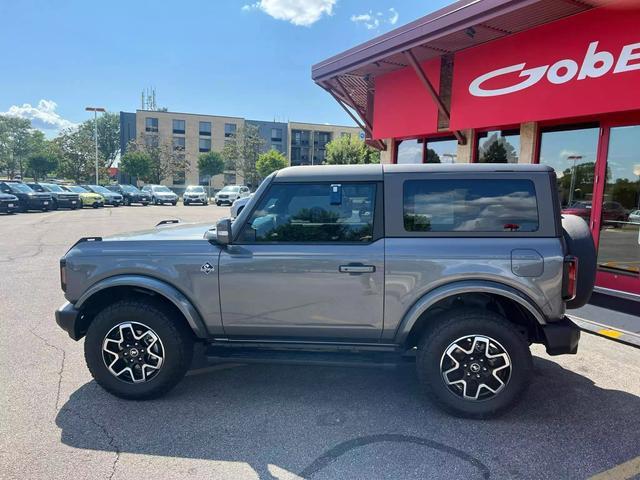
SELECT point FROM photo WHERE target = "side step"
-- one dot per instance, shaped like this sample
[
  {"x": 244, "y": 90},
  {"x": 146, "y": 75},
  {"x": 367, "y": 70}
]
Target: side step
[{"x": 215, "y": 354}]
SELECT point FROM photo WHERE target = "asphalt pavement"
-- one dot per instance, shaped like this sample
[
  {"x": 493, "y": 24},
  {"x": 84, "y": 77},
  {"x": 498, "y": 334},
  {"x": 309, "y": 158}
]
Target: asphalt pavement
[{"x": 579, "y": 418}]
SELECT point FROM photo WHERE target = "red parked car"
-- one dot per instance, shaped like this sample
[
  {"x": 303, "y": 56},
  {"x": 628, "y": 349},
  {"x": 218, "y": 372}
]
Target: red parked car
[{"x": 612, "y": 212}]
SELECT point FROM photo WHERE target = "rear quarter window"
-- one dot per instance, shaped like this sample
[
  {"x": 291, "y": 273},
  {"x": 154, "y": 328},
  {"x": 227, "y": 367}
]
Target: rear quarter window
[{"x": 466, "y": 205}]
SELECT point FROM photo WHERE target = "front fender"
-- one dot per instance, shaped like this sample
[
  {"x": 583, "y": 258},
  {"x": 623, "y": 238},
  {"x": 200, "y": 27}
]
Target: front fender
[
  {"x": 457, "y": 288},
  {"x": 167, "y": 291}
]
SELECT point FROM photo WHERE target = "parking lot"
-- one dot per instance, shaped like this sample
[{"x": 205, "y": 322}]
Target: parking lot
[{"x": 580, "y": 417}]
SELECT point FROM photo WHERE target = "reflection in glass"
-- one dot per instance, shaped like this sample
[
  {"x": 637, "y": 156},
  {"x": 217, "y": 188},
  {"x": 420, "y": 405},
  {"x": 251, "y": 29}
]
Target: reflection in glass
[
  {"x": 499, "y": 146},
  {"x": 410, "y": 151},
  {"x": 572, "y": 154},
  {"x": 619, "y": 248},
  {"x": 442, "y": 151}
]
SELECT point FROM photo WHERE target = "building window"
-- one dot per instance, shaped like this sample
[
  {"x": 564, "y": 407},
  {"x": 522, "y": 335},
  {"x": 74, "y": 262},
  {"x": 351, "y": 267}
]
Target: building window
[
  {"x": 300, "y": 156},
  {"x": 205, "y": 129},
  {"x": 572, "y": 154},
  {"x": 179, "y": 178},
  {"x": 410, "y": 151},
  {"x": 442, "y": 150},
  {"x": 230, "y": 129},
  {"x": 309, "y": 213},
  {"x": 151, "y": 124},
  {"x": 300, "y": 137},
  {"x": 151, "y": 141},
  {"x": 322, "y": 138},
  {"x": 229, "y": 179},
  {"x": 179, "y": 127},
  {"x": 498, "y": 146},
  {"x": 276, "y": 135},
  {"x": 179, "y": 144},
  {"x": 470, "y": 206},
  {"x": 205, "y": 145}
]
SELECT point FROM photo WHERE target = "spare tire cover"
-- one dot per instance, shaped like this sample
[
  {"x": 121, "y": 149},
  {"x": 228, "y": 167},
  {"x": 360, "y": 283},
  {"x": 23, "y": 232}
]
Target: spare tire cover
[{"x": 579, "y": 241}]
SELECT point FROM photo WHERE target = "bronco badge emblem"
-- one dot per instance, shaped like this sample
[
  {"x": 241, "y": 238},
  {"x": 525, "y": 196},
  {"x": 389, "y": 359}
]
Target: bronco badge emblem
[{"x": 207, "y": 268}]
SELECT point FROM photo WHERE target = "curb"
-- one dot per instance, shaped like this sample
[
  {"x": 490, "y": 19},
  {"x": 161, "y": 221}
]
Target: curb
[{"x": 622, "y": 336}]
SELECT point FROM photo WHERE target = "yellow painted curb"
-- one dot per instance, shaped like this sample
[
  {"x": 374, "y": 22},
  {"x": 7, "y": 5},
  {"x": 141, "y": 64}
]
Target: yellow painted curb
[{"x": 610, "y": 333}]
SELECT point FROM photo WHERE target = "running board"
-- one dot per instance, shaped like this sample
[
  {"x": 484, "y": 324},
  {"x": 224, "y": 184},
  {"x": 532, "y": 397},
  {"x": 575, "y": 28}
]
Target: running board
[{"x": 215, "y": 354}]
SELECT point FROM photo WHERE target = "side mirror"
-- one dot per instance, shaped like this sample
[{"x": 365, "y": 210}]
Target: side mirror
[{"x": 222, "y": 234}]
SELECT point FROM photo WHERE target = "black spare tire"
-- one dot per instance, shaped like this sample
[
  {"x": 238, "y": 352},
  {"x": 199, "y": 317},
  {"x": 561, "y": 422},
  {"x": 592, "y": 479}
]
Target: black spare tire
[{"x": 579, "y": 241}]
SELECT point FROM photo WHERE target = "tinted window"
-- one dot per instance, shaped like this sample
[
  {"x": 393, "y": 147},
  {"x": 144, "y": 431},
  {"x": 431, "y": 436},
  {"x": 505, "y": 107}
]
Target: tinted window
[
  {"x": 470, "y": 206},
  {"x": 205, "y": 128},
  {"x": 151, "y": 124},
  {"x": 178, "y": 126},
  {"x": 309, "y": 213}
]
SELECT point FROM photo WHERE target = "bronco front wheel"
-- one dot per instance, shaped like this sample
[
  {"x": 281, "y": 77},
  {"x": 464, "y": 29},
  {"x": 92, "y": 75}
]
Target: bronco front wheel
[
  {"x": 474, "y": 363},
  {"x": 134, "y": 350}
]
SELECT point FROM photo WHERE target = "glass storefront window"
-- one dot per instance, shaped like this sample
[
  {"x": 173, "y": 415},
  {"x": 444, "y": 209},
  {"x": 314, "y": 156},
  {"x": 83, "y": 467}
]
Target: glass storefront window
[
  {"x": 410, "y": 151},
  {"x": 619, "y": 248},
  {"x": 499, "y": 146},
  {"x": 572, "y": 154},
  {"x": 442, "y": 150}
]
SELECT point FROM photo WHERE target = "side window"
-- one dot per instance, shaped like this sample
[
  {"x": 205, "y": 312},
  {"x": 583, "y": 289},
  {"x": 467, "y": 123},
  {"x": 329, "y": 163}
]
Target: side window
[
  {"x": 461, "y": 205},
  {"x": 318, "y": 212}
]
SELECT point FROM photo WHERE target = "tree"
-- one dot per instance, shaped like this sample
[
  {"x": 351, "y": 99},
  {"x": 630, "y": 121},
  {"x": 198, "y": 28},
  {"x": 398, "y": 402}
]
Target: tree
[
  {"x": 488, "y": 150},
  {"x": 108, "y": 137},
  {"x": 269, "y": 162},
  {"x": 15, "y": 143},
  {"x": 495, "y": 153},
  {"x": 165, "y": 159},
  {"x": 136, "y": 164},
  {"x": 432, "y": 156},
  {"x": 211, "y": 164},
  {"x": 241, "y": 152},
  {"x": 77, "y": 154},
  {"x": 39, "y": 165},
  {"x": 348, "y": 150}
]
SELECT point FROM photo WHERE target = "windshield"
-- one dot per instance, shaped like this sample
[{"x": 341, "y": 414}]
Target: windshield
[
  {"x": 99, "y": 189},
  {"x": 230, "y": 188},
  {"x": 20, "y": 187},
  {"x": 77, "y": 189},
  {"x": 195, "y": 188},
  {"x": 130, "y": 189},
  {"x": 51, "y": 187},
  {"x": 161, "y": 189}
]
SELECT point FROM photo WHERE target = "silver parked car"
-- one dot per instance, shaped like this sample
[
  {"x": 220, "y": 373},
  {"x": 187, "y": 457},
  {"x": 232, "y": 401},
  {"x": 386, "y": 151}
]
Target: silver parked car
[
  {"x": 459, "y": 267},
  {"x": 160, "y": 194},
  {"x": 195, "y": 194},
  {"x": 239, "y": 205}
]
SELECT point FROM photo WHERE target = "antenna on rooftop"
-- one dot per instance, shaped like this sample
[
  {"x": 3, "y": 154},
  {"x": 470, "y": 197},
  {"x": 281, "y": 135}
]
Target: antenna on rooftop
[{"x": 149, "y": 99}]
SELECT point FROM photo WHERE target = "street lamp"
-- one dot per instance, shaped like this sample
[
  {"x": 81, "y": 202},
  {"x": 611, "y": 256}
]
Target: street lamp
[
  {"x": 636, "y": 172},
  {"x": 575, "y": 158},
  {"x": 95, "y": 111}
]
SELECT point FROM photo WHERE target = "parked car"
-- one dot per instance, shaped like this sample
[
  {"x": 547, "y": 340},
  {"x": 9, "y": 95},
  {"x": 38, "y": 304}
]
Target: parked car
[
  {"x": 110, "y": 198},
  {"x": 87, "y": 198},
  {"x": 8, "y": 203},
  {"x": 131, "y": 194},
  {"x": 161, "y": 194},
  {"x": 27, "y": 198},
  {"x": 239, "y": 205},
  {"x": 465, "y": 268},
  {"x": 195, "y": 194},
  {"x": 230, "y": 194},
  {"x": 613, "y": 213},
  {"x": 59, "y": 197},
  {"x": 634, "y": 216}
]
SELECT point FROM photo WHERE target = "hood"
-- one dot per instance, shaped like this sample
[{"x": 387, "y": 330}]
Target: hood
[
  {"x": 8, "y": 196},
  {"x": 176, "y": 231}
]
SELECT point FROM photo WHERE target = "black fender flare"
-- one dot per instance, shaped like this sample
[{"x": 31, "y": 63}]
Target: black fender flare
[
  {"x": 182, "y": 303},
  {"x": 442, "y": 292}
]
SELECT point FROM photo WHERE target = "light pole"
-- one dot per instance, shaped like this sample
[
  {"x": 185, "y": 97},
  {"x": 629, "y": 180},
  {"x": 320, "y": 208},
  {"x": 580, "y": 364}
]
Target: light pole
[
  {"x": 575, "y": 158},
  {"x": 95, "y": 111},
  {"x": 636, "y": 172}
]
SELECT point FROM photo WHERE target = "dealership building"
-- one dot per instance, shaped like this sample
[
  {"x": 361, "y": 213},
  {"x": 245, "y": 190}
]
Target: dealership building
[{"x": 555, "y": 82}]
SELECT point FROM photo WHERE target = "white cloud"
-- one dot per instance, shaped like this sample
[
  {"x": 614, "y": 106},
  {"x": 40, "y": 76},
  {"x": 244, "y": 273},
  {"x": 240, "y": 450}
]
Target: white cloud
[
  {"x": 372, "y": 20},
  {"x": 43, "y": 116},
  {"x": 297, "y": 12}
]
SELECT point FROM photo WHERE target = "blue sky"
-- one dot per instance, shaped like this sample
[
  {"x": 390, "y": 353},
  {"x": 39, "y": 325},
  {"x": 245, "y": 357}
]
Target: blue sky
[{"x": 239, "y": 58}]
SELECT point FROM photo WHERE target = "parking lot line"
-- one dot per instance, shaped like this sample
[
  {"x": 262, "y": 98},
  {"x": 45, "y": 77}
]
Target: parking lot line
[{"x": 623, "y": 471}]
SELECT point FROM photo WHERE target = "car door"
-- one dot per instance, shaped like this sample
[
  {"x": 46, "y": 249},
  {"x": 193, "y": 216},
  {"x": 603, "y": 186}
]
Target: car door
[{"x": 308, "y": 264}]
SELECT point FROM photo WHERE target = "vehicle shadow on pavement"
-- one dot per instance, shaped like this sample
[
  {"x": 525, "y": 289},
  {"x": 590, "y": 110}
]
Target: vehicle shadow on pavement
[{"x": 328, "y": 422}]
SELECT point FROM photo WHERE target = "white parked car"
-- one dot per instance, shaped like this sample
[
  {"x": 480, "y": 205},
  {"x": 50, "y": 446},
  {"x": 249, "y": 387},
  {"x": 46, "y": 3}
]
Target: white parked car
[
  {"x": 239, "y": 205},
  {"x": 634, "y": 216},
  {"x": 195, "y": 194},
  {"x": 160, "y": 194},
  {"x": 230, "y": 194}
]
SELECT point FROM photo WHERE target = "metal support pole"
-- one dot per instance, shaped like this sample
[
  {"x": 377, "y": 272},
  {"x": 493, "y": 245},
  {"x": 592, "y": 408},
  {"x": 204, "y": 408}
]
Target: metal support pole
[{"x": 95, "y": 127}]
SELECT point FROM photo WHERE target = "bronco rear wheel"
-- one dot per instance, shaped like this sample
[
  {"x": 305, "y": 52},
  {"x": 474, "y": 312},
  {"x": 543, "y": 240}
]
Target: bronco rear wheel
[
  {"x": 474, "y": 363},
  {"x": 135, "y": 351}
]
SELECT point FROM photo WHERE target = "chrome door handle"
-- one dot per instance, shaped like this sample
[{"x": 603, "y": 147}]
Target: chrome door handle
[{"x": 356, "y": 269}]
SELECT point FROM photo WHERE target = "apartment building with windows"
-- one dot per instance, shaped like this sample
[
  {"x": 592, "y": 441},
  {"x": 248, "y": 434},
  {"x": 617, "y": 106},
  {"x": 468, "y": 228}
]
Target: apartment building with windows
[
  {"x": 191, "y": 134},
  {"x": 309, "y": 140}
]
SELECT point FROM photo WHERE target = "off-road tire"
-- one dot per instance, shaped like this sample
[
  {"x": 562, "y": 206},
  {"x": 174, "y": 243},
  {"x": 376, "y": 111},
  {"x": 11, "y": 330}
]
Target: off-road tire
[
  {"x": 176, "y": 338},
  {"x": 456, "y": 324},
  {"x": 579, "y": 242}
]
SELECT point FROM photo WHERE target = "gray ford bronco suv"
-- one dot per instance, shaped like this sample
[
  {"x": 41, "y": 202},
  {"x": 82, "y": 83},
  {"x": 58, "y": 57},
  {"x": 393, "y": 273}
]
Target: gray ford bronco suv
[{"x": 458, "y": 268}]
